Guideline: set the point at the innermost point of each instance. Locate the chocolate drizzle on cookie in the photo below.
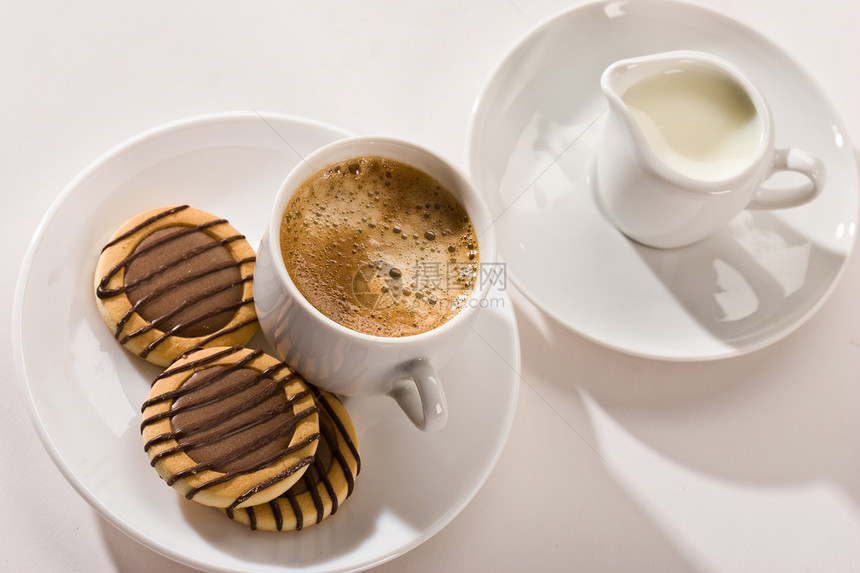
(231, 419)
(331, 458)
(180, 279)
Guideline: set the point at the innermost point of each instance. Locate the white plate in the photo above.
(531, 147)
(85, 392)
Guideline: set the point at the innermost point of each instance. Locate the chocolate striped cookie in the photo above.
(230, 427)
(323, 487)
(176, 278)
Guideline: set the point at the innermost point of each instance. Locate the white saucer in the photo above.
(85, 392)
(531, 147)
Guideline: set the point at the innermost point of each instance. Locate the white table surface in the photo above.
(614, 463)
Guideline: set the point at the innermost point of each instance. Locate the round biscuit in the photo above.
(230, 427)
(156, 340)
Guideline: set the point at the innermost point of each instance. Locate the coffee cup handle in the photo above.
(797, 161)
(419, 393)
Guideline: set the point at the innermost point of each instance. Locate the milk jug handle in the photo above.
(797, 161)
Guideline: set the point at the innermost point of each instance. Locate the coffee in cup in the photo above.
(426, 259)
(380, 247)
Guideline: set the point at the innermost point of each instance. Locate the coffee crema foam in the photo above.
(380, 247)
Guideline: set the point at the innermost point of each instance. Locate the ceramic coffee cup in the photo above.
(345, 361)
(688, 144)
